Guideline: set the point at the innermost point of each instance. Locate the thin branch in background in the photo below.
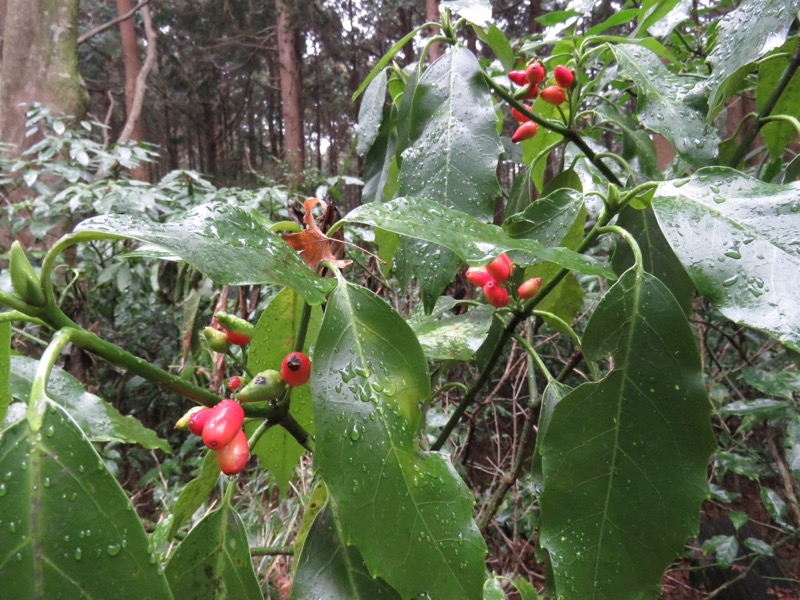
(107, 120)
(101, 28)
(141, 79)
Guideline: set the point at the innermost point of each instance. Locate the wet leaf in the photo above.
(98, 419)
(778, 134)
(370, 113)
(624, 459)
(68, 529)
(369, 376)
(739, 240)
(445, 335)
(474, 11)
(662, 105)
(743, 35)
(5, 368)
(328, 568)
(214, 561)
(475, 242)
(229, 245)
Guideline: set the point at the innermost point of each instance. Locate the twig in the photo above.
(101, 28)
(107, 120)
(786, 479)
(141, 78)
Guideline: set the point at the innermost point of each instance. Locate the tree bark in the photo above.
(132, 66)
(289, 61)
(432, 15)
(39, 64)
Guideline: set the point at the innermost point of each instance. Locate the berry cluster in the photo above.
(492, 276)
(221, 429)
(221, 425)
(529, 79)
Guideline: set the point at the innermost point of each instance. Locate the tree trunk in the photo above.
(132, 66)
(432, 15)
(39, 63)
(293, 144)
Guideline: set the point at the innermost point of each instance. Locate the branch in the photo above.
(101, 28)
(141, 78)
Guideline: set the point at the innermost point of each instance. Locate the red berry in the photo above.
(478, 275)
(554, 95)
(507, 259)
(499, 268)
(533, 91)
(564, 76)
(518, 77)
(524, 132)
(296, 368)
(224, 424)
(198, 420)
(234, 382)
(519, 116)
(529, 288)
(232, 457)
(238, 339)
(495, 294)
(535, 73)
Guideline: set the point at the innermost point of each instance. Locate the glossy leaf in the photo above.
(98, 419)
(739, 240)
(743, 35)
(660, 17)
(68, 530)
(637, 144)
(370, 113)
(659, 259)
(229, 245)
(624, 459)
(499, 44)
(453, 145)
(369, 376)
(535, 150)
(662, 105)
(548, 219)
(214, 561)
(195, 492)
(328, 568)
(277, 450)
(445, 335)
(475, 242)
(378, 160)
(450, 156)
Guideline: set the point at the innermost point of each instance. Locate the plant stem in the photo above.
(302, 328)
(769, 105)
(290, 424)
(566, 132)
(38, 398)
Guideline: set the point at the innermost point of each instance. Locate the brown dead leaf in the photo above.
(313, 245)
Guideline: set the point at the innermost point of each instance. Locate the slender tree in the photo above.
(132, 66)
(289, 60)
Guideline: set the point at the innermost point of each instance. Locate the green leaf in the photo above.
(535, 150)
(370, 113)
(379, 159)
(624, 459)
(214, 561)
(195, 493)
(743, 35)
(229, 245)
(5, 368)
(100, 421)
(778, 134)
(738, 239)
(450, 156)
(453, 146)
(274, 337)
(759, 546)
(660, 17)
(548, 219)
(499, 44)
(725, 547)
(493, 589)
(659, 259)
(474, 11)
(406, 511)
(433, 266)
(445, 335)
(475, 242)
(330, 569)
(68, 529)
(783, 384)
(776, 507)
(661, 107)
(637, 145)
